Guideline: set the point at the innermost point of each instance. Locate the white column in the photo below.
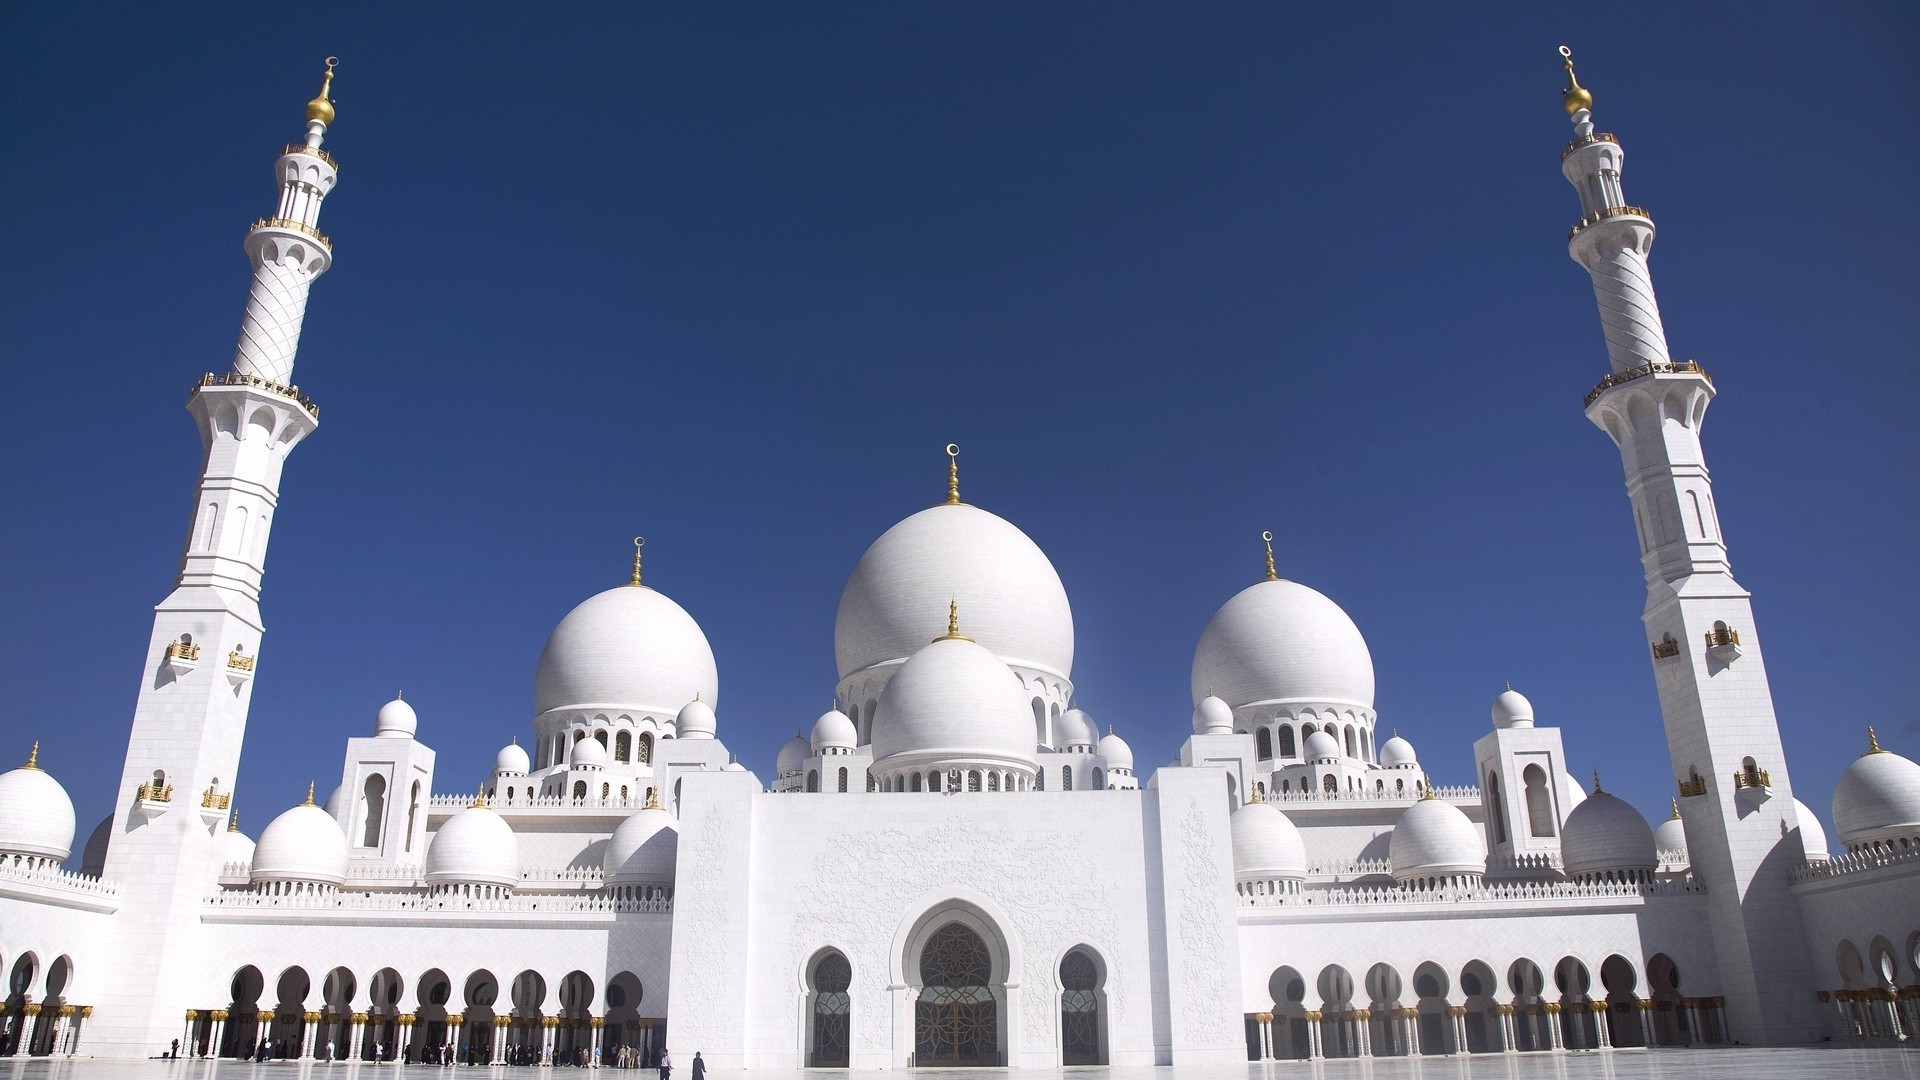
(1600, 1025)
(219, 1029)
(1315, 1040)
(1363, 1023)
(497, 1054)
(1556, 1035)
(1510, 1042)
(1458, 1015)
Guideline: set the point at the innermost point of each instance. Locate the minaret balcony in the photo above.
(1666, 648)
(235, 378)
(1693, 785)
(239, 667)
(1580, 141)
(1652, 367)
(1751, 777)
(152, 799)
(181, 657)
(1604, 213)
(1723, 644)
(303, 148)
(312, 233)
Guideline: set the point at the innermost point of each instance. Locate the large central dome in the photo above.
(1279, 641)
(626, 648)
(896, 601)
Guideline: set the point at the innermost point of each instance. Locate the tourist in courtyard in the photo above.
(666, 1064)
(699, 1067)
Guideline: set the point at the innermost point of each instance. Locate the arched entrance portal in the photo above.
(832, 1011)
(957, 1016)
(1082, 1035)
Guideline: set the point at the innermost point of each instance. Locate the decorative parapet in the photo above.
(1856, 862)
(1752, 778)
(1584, 140)
(1654, 367)
(635, 800)
(1492, 892)
(1546, 862)
(239, 661)
(1458, 793)
(235, 378)
(300, 227)
(215, 800)
(571, 903)
(314, 151)
(1603, 214)
(1350, 868)
(180, 650)
(151, 792)
(1666, 648)
(1692, 786)
(40, 879)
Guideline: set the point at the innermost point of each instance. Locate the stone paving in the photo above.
(1718, 1064)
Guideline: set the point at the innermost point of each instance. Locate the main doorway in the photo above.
(957, 1017)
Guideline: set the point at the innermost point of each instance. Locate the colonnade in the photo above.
(1398, 1032)
(207, 1031)
(1876, 1014)
(41, 1030)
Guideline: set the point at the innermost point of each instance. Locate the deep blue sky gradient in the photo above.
(730, 275)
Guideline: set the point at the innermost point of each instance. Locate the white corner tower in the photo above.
(1724, 741)
(197, 681)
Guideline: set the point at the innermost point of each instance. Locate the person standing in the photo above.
(666, 1064)
(699, 1067)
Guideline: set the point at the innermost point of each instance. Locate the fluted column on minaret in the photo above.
(1716, 706)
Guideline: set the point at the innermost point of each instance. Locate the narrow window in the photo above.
(373, 807)
(1539, 801)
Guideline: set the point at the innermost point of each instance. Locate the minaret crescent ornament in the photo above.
(638, 543)
(953, 474)
(1272, 574)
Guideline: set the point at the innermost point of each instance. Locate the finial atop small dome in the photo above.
(321, 107)
(233, 821)
(1256, 795)
(1873, 745)
(1272, 574)
(33, 755)
(638, 543)
(1676, 809)
(1576, 97)
(953, 474)
(309, 801)
(953, 623)
(479, 798)
(653, 799)
(1596, 783)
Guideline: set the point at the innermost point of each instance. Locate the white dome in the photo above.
(695, 721)
(1671, 836)
(235, 847)
(896, 600)
(1115, 749)
(1266, 844)
(834, 730)
(395, 720)
(336, 805)
(588, 753)
(793, 756)
(1397, 753)
(303, 844)
(628, 648)
(512, 758)
(93, 857)
(1212, 716)
(954, 700)
(1571, 793)
(475, 847)
(643, 849)
(733, 766)
(1321, 746)
(1074, 729)
(36, 817)
(1606, 834)
(1877, 798)
(1813, 835)
(1279, 641)
(1512, 710)
(1433, 838)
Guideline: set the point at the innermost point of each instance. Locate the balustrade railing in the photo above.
(303, 148)
(1487, 893)
(51, 876)
(1651, 367)
(1855, 862)
(577, 903)
(1587, 140)
(1603, 214)
(235, 378)
(300, 227)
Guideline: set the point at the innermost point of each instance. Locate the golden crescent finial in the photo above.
(953, 474)
(1272, 574)
(1576, 97)
(638, 543)
(1596, 783)
(321, 107)
(1676, 809)
(233, 821)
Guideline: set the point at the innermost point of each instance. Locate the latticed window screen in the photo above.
(832, 1011)
(956, 1020)
(1079, 1010)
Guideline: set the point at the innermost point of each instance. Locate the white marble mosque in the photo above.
(956, 866)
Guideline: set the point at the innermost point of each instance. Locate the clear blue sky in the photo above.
(730, 275)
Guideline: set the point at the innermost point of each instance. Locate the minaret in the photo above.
(1742, 832)
(197, 680)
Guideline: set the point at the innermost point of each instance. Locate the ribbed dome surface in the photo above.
(834, 730)
(512, 758)
(954, 699)
(1280, 641)
(1115, 749)
(1606, 834)
(475, 847)
(36, 816)
(1266, 843)
(1877, 798)
(628, 648)
(1434, 838)
(303, 844)
(1009, 594)
(643, 850)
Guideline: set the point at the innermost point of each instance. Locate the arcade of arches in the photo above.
(36, 1017)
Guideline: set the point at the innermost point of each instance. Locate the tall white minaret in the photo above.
(1742, 832)
(195, 686)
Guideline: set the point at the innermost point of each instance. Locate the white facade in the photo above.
(955, 865)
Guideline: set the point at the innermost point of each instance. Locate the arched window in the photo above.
(843, 778)
(646, 748)
(602, 736)
(1066, 778)
(813, 779)
(956, 1019)
(1496, 808)
(623, 794)
(914, 783)
(1040, 722)
(579, 791)
(1263, 743)
(1330, 785)
(1040, 779)
(1286, 741)
(373, 806)
(623, 746)
(1099, 780)
(1539, 801)
(1286, 786)
(413, 814)
(832, 1011)
(1353, 746)
(1081, 1040)
(973, 780)
(1306, 730)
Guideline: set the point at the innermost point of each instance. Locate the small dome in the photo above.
(793, 756)
(1074, 730)
(1266, 844)
(1876, 799)
(954, 700)
(336, 806)
(1671, 837)
(834, 730)
(1281, 641)
(235, 847)
(475, 847)
(36, 816)
(396, 720)
(1813, 835)
(93, 857)
(1605, 834)
(1009, 593)
(1512, 710)
(1212, 716)
(512, 758)
(629, 648)
(733, 766)
(1571, 793)
(1397, 753)
(695, 721)
(1115, 749)
(303, 844)
(1432, 839)
(588, 753)
(643, 850)
(1321, 746)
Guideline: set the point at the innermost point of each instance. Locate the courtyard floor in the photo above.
(1719, 1064)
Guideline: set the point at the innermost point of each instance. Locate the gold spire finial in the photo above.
(1676, 809)
(1873, 745)
(953, 474)
(1576, 97)
(309, 801)
(653, 798)
(479, 798)
(638, 543)
(1596, 783)
(1256, 795)
(1272, 574)
(233, 821)
(33, 755)
(1426, 783)
(321, 107)
(953, 623)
